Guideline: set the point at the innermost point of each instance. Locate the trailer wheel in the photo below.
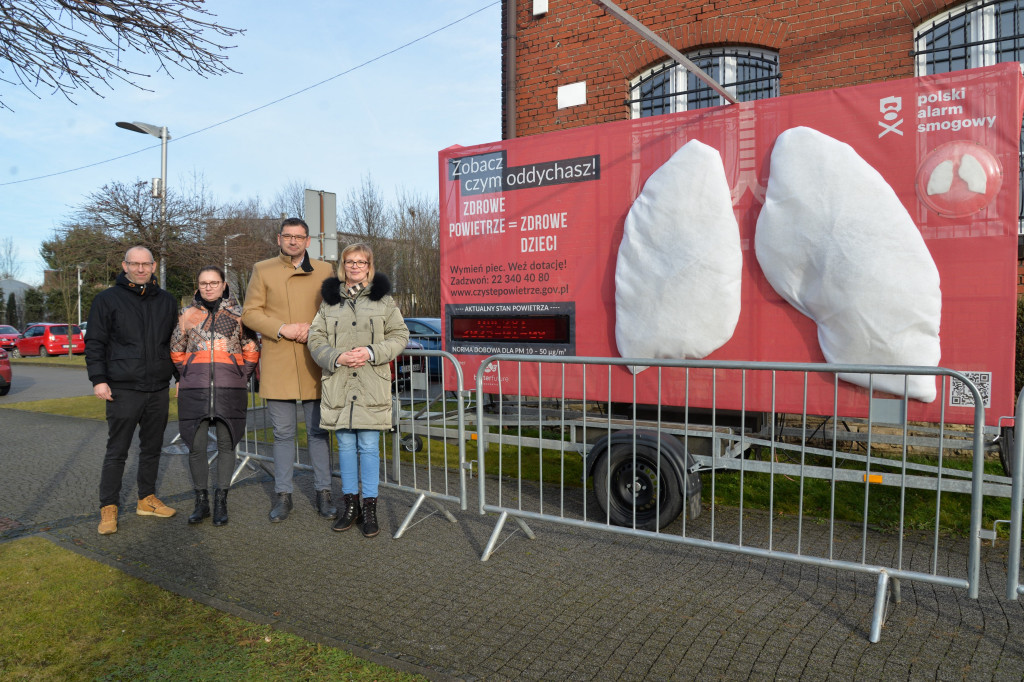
(1006, 449)
(623, 489)
(412, 443)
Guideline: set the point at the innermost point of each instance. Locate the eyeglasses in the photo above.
(140, 264)
(293, 237)
(357, 263)
(210, 285)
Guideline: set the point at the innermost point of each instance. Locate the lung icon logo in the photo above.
(958, 178)
(890, 108)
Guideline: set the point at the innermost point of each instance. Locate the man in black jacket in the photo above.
(128, 357)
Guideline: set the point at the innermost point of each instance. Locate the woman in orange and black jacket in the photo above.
(215, 355)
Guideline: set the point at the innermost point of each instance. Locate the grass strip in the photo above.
(68, 617)
(84, 407)
(52, 361)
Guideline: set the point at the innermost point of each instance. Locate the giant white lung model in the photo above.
(677, 277)
(834, 240)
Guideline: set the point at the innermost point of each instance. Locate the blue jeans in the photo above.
(359, 460)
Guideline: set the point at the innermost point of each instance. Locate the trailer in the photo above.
(874, 225)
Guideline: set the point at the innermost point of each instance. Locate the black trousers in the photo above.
(129, 409)
(198, 462)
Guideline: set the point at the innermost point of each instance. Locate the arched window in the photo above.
(974, 34)
(747, 73)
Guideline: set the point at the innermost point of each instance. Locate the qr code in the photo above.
(961, 396)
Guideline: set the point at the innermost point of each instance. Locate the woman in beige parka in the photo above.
(356, 333)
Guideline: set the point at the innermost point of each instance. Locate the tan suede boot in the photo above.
(150, 506)
(108, 519)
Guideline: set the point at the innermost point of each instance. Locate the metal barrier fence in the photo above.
(424, 454)
(429, 424)
(793, 487)
(748, 483)
(1013, 586)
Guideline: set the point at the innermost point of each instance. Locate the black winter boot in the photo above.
(370, 527)
(324, 506)
(220, 507)
(281, 508)
(350, 512)
(202, 509)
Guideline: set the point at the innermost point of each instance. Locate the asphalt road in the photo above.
(34, 382)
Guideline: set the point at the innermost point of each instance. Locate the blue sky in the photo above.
(387, 119)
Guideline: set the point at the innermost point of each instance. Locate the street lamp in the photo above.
(226, 239)
(160, 191)
(79, 295)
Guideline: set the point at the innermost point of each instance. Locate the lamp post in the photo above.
(79, 267)
(226, 240)
(161, 132)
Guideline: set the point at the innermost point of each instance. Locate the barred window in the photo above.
(978, 33)
(747, 74)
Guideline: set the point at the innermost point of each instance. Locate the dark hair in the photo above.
(212, 268)
(291, 222)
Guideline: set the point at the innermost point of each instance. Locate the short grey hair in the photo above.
(136, 248)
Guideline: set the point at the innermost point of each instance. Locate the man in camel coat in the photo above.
(280, 303)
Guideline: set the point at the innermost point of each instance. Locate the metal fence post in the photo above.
(1016, 496)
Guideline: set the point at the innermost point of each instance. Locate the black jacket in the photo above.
(128, 344)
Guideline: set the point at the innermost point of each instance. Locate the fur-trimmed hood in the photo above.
(331, 290)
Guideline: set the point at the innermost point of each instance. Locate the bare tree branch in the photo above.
(290, 200)
(403, 233)
(129, 216)
(241, 253)
(365, 212)
(416, 254)
(10, 266)
(73, 250)
(67, 45)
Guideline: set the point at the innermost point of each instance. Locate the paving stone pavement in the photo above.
(573, 604)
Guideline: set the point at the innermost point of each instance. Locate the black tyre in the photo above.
(629, 488)
(412, 443)
(43, 352)
(4, 389)
(1006, 442)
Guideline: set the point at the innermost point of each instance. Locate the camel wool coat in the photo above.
(280, 293)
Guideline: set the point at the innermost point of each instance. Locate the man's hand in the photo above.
(102, 391)
(296, 331)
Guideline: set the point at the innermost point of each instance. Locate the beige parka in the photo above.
(357, 398)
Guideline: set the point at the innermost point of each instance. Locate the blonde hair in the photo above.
(358, 247)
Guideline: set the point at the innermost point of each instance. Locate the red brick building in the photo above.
(569, 63)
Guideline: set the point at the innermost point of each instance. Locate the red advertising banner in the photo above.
(868, 225)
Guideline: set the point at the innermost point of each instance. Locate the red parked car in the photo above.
(8, 337)
(5, 373)
(49, 338)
